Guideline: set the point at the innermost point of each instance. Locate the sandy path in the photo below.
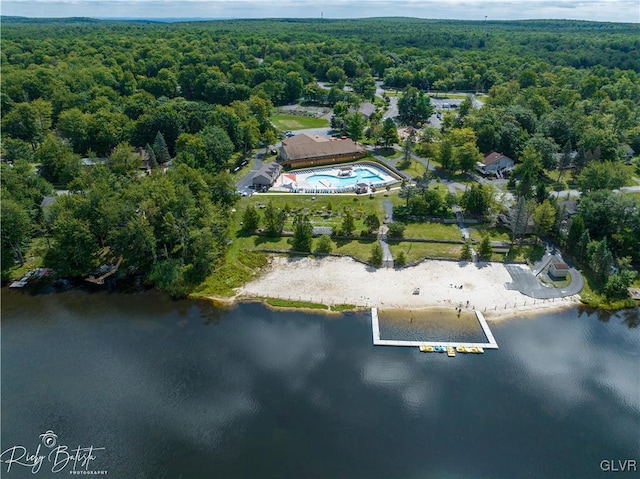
(343, 280)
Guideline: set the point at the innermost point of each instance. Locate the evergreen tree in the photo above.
(376, 255)
(520, 219)
(325, 245)
(583, 245)
(302, 234)
(389, 133)
(250, 219)
(542, 194)
(485, 251)
(574, 235)
(274, 220)
(348, 224)
(400, 259)
(153, 162)
(160, 149)
(600, 258)
(466, 252)
(372, 222)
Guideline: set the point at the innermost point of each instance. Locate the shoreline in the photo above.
(430, 285)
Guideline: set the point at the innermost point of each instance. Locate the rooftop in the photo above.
(307, 146)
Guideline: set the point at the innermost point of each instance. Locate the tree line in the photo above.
(198, 96)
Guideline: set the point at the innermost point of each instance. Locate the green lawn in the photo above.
(295, 122)
(446, 96)
(495, 234)
(288, 303)
(415, 169)
(436, 231)
(415, 251)
(323, 210)
(527, 252)
(358, 248)
(388, 153)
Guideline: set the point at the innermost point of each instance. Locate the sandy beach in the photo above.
(442, 284)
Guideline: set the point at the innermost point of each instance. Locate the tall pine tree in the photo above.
(160, 149)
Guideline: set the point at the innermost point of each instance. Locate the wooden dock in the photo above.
(375, 327)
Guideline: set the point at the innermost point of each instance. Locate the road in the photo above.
(573, 194)
(242, 186)
(525, 281)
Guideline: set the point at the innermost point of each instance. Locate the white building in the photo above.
(495, 164)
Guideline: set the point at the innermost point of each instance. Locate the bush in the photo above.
(401, 259)
(376, 255)
(325, 245)
(466, 252)
(250, 219)
(396, 230)
(485, 251)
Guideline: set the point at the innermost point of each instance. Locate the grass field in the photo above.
(436, 231)
(417, 251)
(295, 122)
(323, 210)
(415, 169)
(495, 234)
(388, 153)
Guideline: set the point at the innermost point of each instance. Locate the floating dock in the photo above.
(375, 327)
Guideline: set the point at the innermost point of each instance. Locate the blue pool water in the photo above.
(361, 175)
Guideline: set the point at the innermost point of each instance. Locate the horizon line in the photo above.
(176, 19)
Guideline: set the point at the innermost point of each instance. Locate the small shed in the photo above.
(558, 270)
(322, 230)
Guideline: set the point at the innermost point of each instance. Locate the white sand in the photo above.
(345, 281)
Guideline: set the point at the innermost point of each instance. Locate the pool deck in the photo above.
(375, 326)
(295, 181)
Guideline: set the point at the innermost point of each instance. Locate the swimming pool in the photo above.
(334, 179)
(358, 175)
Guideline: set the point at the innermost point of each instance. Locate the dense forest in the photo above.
(198, 96)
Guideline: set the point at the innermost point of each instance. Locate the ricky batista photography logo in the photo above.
(50, 455)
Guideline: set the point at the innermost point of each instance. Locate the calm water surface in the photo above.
(182, 389)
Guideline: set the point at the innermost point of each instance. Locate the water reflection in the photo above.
(433, 324)
(630, 316)
(187, 389)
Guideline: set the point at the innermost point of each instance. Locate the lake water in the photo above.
(184, 390)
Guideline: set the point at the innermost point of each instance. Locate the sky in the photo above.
(597, 10)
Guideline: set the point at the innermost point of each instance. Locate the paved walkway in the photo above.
(525, 280)
(388, 211)
(387, 257)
